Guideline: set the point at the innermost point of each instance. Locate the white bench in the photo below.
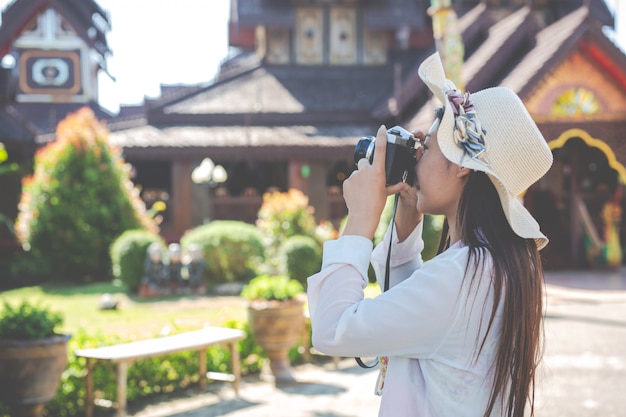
(125, 354)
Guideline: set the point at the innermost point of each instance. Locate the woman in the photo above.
(459, 335)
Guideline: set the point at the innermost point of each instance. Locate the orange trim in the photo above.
(71, 55)
(605, 62)
(594, 143)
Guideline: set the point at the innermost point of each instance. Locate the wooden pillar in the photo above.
(235, 364)
(318, 191)
(310, 178)
(294, 176)
(89, 388)
(122, 370)
(202, 353)
(181, 197)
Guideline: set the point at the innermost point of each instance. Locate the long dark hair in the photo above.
(518, 275)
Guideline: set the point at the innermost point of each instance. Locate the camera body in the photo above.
(400, 160)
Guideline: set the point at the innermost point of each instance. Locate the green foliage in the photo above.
(233, 250)
(302, 257)
(77, 202)
(4, 155)
(128, 255)
(431, 235)
(146, 377)
(284, 215)
(276, 287)
(28, 322)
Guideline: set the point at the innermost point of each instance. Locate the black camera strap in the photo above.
(359, 361)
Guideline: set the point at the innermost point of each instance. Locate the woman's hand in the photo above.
(407, 216)
(365, 193)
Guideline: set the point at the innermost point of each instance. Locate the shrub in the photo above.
(301, 257)
(128, 255)
(28, 322)
(272, 287)
(233, 250)
(283, 215)
(77, 202)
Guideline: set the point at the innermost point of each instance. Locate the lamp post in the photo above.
(209, 175)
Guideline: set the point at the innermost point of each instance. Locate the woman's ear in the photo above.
(463, 172)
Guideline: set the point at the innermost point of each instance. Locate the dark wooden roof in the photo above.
(13, 126)
(507, 41)
(235, 143)
(550, 11)
(551, 44)
(46, 116)
(85, 16)
(279, 95)
(381, 14)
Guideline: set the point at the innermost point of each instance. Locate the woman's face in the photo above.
(438, 181)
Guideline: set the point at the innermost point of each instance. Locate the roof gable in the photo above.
(86, 17)
(571, 53)
(581, 84)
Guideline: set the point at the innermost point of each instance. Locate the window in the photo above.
(576, 102)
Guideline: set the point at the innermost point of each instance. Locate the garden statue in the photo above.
(194, 268)
(174, 268)
(154, 279)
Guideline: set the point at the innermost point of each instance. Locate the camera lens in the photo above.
(364, 149)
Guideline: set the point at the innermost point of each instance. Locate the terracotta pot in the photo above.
(277, 326)
(30, 373)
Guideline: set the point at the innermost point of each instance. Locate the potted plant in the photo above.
(276, 319)
(32, 357)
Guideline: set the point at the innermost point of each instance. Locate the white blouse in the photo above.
(430, 323)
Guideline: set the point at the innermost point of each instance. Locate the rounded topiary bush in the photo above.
(128, 255)
(233, 250)
(302, 257)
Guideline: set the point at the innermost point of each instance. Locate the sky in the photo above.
(161, 42)
(158, 42)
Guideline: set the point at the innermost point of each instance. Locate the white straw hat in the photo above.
(491, 131)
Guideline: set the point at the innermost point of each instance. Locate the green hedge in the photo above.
(233, 250)
(302, 257)
(128, 255)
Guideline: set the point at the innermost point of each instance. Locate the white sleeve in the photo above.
(411, 319)
(405, 256)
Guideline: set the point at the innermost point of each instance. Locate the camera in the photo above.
(400, 160)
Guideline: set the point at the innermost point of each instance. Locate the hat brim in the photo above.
(519, 218)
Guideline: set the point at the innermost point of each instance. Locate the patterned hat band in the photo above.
(469, 134)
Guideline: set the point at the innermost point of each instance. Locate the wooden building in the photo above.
(312, 77)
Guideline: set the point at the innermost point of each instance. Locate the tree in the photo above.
(77, 202)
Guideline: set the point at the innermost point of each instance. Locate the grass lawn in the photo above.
(134, 318)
